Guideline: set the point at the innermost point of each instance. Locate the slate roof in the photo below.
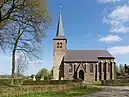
(86, 55)
(60, 31)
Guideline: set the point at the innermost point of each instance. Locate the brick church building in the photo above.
(88, 65)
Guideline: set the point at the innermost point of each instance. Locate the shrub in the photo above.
(7, 82)
(49, 82)
(117, 82)
(17, 91)
(46, 78)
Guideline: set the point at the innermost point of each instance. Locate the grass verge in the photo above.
(68, 93)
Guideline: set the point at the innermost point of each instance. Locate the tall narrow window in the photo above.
(91, 68)
(58, 44)
(61, 45)
(70, 68)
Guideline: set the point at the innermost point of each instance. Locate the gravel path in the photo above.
(111, 92)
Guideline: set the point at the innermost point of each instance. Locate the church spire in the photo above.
(60, 29)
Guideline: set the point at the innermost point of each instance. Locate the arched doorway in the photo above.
(75, 75)
(81, 74)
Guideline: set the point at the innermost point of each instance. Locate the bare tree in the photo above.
(25, 30)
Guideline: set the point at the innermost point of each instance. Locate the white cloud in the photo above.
(119, 50)
(118, 19)
(110, 38)
(108, 1)
(120, 13)
(99, 36)
(119, 29)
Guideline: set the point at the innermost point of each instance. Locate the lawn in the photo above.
(68, 93)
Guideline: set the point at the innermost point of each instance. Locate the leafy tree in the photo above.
(43, 73)
(23, 25)
(10, 9)
(51, 74)
(121, 69)
(32, 76)
(116, 68)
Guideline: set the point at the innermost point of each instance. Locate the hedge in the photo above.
(116, 82)
(49, 82)
(17, 91)
(7, 82)
(122, 77)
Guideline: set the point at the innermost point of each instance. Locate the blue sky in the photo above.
(88, 24)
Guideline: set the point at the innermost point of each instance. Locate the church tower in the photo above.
(59, 49)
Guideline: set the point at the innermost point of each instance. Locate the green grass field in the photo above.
(68, 93)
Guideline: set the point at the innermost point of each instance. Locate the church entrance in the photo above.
(75, 75)
(81, 74)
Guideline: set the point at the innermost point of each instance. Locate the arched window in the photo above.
(70, 68)
(91, 68)
(58, 44)
(61, 45)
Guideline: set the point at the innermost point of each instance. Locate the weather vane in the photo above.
(61, 6)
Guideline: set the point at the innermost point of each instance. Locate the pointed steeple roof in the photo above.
(60, 29)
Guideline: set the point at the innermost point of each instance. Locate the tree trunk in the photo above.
(1, 26)
(13, 67)
(13, 57)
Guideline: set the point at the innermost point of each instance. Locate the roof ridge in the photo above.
(86, 50)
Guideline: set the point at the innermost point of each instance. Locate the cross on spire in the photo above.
(61, 6)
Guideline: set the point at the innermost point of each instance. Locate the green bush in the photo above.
(4, 82)
(18, 91)
(46, 78)
(117, 82)
(49, 82)
(7, 82)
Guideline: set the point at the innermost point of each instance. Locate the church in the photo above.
(88, 65)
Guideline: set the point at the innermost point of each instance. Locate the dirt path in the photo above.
(108, 91)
